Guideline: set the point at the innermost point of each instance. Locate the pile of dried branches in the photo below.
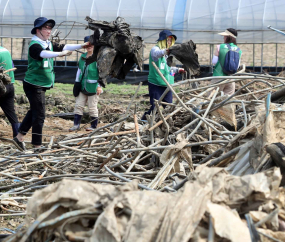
(176, 147)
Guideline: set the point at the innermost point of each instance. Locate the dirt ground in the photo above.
(110, 108)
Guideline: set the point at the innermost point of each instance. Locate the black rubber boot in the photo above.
(94, 124)
(77, 121)
(143, 118)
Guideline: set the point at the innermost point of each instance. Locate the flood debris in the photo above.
(5, 79)
(116, 50)
(207, 167)
(186, 54)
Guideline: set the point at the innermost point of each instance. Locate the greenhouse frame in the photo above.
(199, 20)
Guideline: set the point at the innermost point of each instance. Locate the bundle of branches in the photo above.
(4, 80)
(116, 50)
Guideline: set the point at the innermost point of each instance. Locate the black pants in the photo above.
(7, 105)
(155, 92)
(35, 117)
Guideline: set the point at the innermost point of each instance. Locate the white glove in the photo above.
(64, 53)
(166, 51)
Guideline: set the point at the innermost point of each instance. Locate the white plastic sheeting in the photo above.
(199, 20)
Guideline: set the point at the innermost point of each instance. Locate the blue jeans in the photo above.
(155, 92)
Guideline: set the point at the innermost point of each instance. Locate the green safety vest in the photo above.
(154, 77)
(6, 60)
(218, 70)
(88, 77)
(40, 73)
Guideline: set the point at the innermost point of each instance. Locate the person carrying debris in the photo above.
(40, 77)
(86, 90)
(222, 60)
(158, 55)
(7, 93)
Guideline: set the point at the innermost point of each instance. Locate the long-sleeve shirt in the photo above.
(157, 53)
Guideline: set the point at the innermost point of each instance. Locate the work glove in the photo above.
(181, 71)
(166, 52)
(86, 45)
(76, 89)
(101, 83)
(65, 53)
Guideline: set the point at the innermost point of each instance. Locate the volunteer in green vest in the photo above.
(158, 55)
(230, 36)
(40, 77)
(7, 98)
(89, 90)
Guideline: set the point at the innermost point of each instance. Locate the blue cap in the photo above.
(86, 38)
(39, 22)
(164, 34)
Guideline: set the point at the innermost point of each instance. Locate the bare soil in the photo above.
(110, 108)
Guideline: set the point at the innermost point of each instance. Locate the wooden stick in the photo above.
(13, 69)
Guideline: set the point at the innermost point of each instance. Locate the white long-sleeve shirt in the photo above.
(157, 53)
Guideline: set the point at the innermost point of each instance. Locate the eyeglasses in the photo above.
(47, 28)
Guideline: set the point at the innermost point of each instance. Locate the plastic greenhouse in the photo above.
(199, 20)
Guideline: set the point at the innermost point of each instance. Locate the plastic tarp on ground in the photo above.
(127, 214)
(198, 20)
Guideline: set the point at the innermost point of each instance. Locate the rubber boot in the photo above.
(94, 124)
(15, 128)
(143, 118)
(77, 121)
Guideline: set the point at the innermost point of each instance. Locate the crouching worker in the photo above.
(86, 90)
(158, 55)
(40, 77)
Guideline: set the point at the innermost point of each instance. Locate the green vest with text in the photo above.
(154, 77)
(218, 70)
(6, 62)
(88, 77)
(40, 73)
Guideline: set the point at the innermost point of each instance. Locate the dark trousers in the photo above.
(155, 93)
(35, 117)
(8, 107)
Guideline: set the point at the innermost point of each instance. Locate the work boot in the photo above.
(94, 124)
(20, 145)
(15, 128)
(77, 121)
(143, 118)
